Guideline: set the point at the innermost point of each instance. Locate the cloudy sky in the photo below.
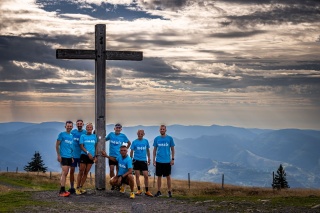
(224, 62)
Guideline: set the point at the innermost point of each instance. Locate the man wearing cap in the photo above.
(116, 140)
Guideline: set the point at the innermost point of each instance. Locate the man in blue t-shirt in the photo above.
(76, 133)
(140, 150)
(124, 171)
(162, 159)
(116, 140)
(64, 149)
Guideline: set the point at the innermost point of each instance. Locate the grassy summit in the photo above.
(17, 191)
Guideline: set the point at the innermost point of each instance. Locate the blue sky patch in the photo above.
(105, 11)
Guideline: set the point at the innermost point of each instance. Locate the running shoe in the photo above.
(139, 192)
(158, 194)
(132, 196)
(83, 191)
(122, 189)
(148, 193)
(169, 194)
(64, 194)
(72, 190)
(78, 192)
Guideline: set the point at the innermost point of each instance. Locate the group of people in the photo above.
(78, 148)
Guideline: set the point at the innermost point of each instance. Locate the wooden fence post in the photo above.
(189, 180)
(222, 181)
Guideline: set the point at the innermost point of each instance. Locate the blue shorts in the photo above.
(76, 162)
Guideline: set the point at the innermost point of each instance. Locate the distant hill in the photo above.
(13, 126)
(244, 156)
(298, 147)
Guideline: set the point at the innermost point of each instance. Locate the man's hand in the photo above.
(172, 162)
(104, 154)
(90, 156)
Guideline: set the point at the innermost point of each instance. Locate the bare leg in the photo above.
(81, 173)
(72, 169)
(137, 173)
(159, 183)
(169, 182)
(111, 171)
(64, 174)
(114, 181)
(85, 174)
(131, 182)
(146, 178)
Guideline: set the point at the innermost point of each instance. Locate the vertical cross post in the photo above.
(100, 103)
(100, 55)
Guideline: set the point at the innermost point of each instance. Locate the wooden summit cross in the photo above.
(100, 55)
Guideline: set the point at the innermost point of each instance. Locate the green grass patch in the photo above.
(30, 181)
(15, 200)
(20, 196)
(275, 201)
(295, 201)
(16, 191)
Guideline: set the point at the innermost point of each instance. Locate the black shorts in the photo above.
(85, 159)
(125, 180)
(111, 162)
(76, 162)
(163, 169)
(66, 161)
(140, 165)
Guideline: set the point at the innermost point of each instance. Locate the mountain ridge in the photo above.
(243, 156)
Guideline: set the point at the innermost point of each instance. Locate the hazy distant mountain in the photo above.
(243, 156)
(24, 140)
(13, 126)
(298, 147)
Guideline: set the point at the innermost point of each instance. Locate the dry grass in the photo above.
(16, 190)
(179, 187)
(4, 188)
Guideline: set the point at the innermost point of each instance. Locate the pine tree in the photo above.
(280, 180)
(36, 164)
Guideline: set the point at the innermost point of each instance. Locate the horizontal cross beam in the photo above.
(91, 54)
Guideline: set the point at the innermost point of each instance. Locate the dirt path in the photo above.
(114, 201)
